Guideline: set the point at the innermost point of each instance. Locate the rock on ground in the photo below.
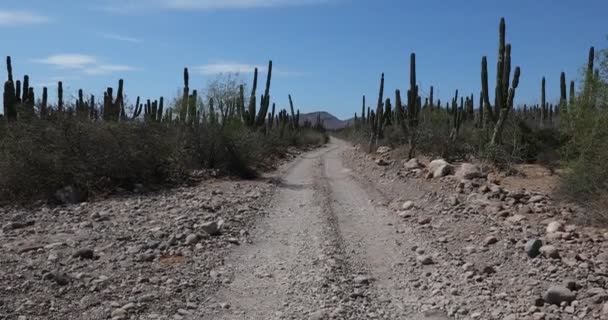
(468, 171)
(440, 168)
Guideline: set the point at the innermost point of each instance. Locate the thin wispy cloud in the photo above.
(240, 68)
(88, 64)
(118, 37)
(68, 61)
(219, 68)
(135, 6)
(104, 69)
(234, 4)
(10, 18)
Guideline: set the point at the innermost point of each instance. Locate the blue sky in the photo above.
(326, 53)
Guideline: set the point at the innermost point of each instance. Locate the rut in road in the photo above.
(325, 250)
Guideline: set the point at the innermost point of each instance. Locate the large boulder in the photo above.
(468, 171)
(440, 168)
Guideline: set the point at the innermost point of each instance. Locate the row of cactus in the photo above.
(488, 116)
(19, 102)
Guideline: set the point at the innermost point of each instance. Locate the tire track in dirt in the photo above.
(326, 250)
(295, 267)
(375, 245)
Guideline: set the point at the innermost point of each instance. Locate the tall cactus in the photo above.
(398, 108)
(377, 117)
(159, 112)
(482, 120)
(543, 105)
(137, 110)
(562, 89)
(588, 86)
(93, 114)
(413, 107)
(112, 108)
(9, 68)
(183, 111)
(252, 100)
(9, 97)
(412, 94)
(81, 109)
(44, 103)
(26, 89)
(265, 103)
(241, 102)
(363, 111)
(387, 121)
(9, 100)
(60, 96)
(294, 125)
(504, 94)
(192, 107)
(388, 113)
(572, 93)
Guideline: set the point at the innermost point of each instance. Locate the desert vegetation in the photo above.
(569, 134)
(69, 150)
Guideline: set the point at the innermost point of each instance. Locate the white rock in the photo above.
(535, 199)
(408, 205)
(440, 168)
(191, 239)
(119, 313)
(555, 226)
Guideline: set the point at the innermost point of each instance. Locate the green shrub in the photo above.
(39, 157)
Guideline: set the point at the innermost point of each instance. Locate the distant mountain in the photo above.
(330, 121)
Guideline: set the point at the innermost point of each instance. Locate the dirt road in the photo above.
(329, 248)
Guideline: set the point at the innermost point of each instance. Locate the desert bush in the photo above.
(40, 156)
(586, 153)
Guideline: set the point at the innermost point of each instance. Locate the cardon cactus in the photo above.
(10, 94)
(44, 102)
(265, 101)
(376, 118)
(60, 96)
(543, 104)
(504, 94)
(112, 108)
(183, 110)
(412, 95)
